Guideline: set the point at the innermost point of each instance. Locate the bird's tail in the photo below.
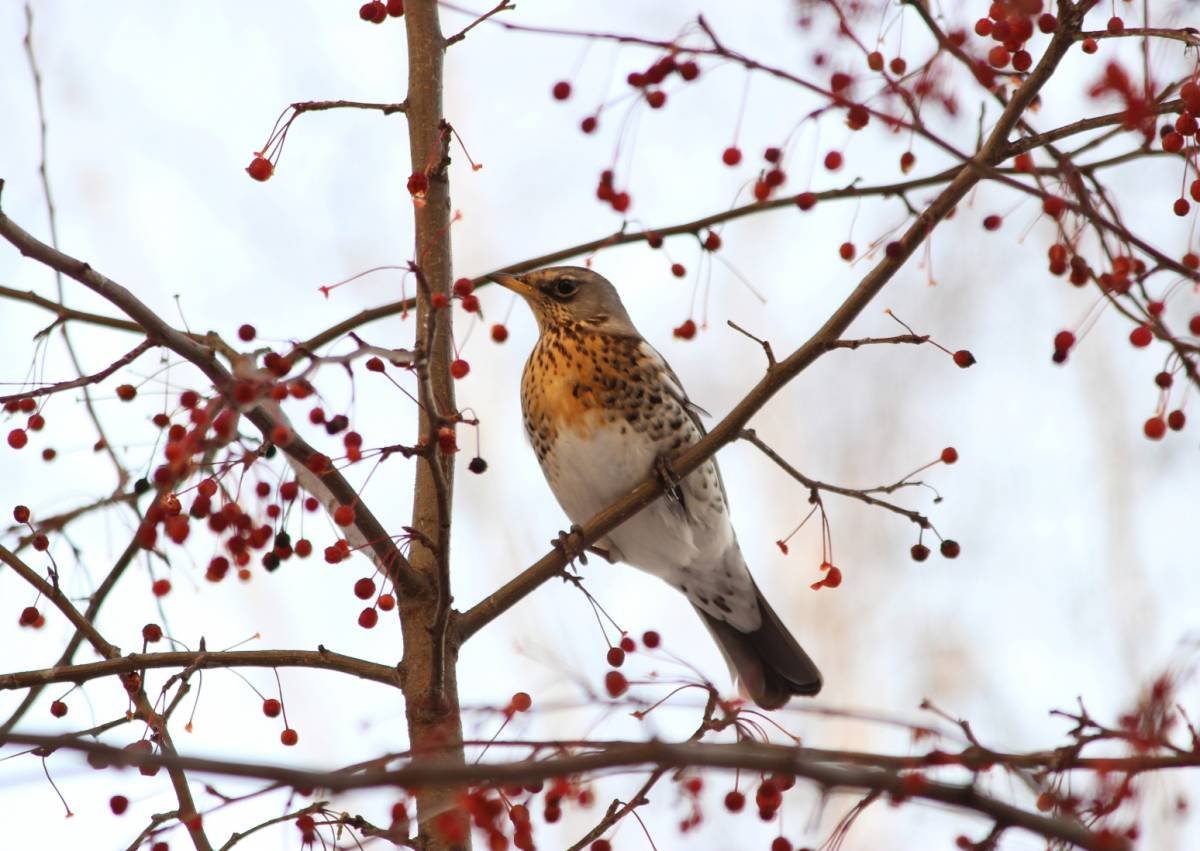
(768, 663)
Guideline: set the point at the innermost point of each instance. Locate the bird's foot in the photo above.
(570, 543)
(668, 477)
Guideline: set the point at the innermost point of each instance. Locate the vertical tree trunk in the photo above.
(431, 696)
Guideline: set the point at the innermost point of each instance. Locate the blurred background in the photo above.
(1077, 577)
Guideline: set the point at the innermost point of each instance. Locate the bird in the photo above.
(604, 411)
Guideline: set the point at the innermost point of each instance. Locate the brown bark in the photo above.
(427, 673)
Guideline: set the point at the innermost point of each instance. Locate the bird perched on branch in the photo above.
(604, 411)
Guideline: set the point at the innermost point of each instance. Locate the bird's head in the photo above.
(570, 295)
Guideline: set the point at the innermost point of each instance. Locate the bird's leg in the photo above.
(603, 553)
(668, 477)
(570, 543)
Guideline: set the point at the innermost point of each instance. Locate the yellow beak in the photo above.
(511, 282)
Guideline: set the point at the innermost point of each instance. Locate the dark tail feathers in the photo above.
(769, 664)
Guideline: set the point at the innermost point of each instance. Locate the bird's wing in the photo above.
(673, 386)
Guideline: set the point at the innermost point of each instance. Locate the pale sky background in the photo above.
(1077, 577)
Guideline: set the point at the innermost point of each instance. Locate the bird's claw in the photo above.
(570, 544)
(668, 477)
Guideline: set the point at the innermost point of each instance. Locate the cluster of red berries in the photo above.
(832, 577)
(606, 191)
(490, 809)
(649, 80)
(768, 798)
(376, 12)
(615, 683)
(1011, 23)
(364, 589)
(30, 616)
(948, 549)
(18, 438)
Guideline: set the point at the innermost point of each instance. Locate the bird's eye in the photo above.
(565, 287)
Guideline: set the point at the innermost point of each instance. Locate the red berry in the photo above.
(847, 251)
(951, 549)
(898, 66)
(781, 843)
(731, 156)
(992, 222)
(459, 368)
(470, 303)
(29, 616)
(152, 633)
(21, 513)
(373, 12)
(712, 241)
(907, 160)
(1141, 336)
(875, 60)
(616, 657)
(246, 333)
(395, 8)
(386, 602)
(1116, 26)
(364, 589)
(1194, 325)
(1047, 23)
(615, 683)
(521, 701)
(689, 71)
(686, 331)
(1176, 420)
(272, 707)
(949, 455)
(806, 200)
(833, 160)
(289, 737)
(588, 125)
(17, 438)
(126, 392)
(343, 515)
(463, 286)
(1054, 206)
(1063, 341)
(418, 184)
(963, 359)
(656, 98)
(1022, 61)
(1181, 207)
(651, 639)
(260, 168)
(1155, 428)
(1090, 46)
(561, 90)
(161, 587)
(678, 270)
(58, 709)
(999, 56)
(118, 804)
(368, 617)
(499, 333)
(735, 801)
(919, 552)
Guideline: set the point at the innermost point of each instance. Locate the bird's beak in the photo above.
(512, 282)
